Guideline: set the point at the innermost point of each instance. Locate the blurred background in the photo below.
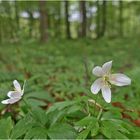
(55, 45)
(43, 20)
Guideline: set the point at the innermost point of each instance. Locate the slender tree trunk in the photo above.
(104, 12)
(0, 29)
(43, 21)
(31, 23)
(67, 19)
(16, 14)
(121, 17)
(98, 19)
(83, 18)
(58, 31)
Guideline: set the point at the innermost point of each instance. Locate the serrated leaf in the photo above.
(111, 115)
(36, 133)
(62, 131)
(83, 134)
(85, 121)
(22, 127)
(39, 115)
(112, 129)
(95, 129)
(56, 115)
(60, 105)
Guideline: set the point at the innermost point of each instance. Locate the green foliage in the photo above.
(62, 131)
(5, 128)
(36, 133)
(22, 127)
(57, 90)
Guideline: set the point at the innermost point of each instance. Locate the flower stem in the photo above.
(87, 105)
(100, 113)
(95, 103)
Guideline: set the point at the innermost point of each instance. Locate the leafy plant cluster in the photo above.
(60, 104)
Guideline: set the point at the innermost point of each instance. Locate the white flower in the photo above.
(16, 95)
(105, 80)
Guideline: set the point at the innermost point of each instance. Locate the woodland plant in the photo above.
(72, 119)
(105, 80)
(16, 95)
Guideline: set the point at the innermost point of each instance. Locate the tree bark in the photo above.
(83, 18)
(43, 21)
(68, 34)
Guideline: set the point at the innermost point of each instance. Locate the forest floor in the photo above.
(66, 66)
(63, 70)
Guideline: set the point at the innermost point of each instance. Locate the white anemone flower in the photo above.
(105, 80)
(16, 95)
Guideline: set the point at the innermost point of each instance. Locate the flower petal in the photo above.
(97, 71)
(23, 87)
(119, 79)
(17, 85)
(14, 94)
(106, 93)
(107, 67)
(10, 101)
(96, 86)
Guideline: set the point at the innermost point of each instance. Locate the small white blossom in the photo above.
(105, 80)
(16, 95)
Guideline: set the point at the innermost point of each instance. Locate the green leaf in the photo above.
(22, 127)
(39, 115)
(73, 109)
(85, 121)
(35, 103)
(111, 115)
(83, 134)
(5, 128)
(55, 116)
(91, 125)
(95, 128)
(113, 129)
(36, 133)
(60, 106)
(62, 131)
(106, 131)
(118, 135)
(40, 95)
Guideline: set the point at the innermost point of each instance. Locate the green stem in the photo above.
(100, 113)
(88, 108)
(95, 103)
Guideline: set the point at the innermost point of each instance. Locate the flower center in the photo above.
(106, 78)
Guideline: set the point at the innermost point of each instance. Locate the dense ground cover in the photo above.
(59, 76)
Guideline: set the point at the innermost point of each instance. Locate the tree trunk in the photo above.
(0, 29)
(121, 17)
(104, 18)
(67, 19)
(16, 14)
(98, 20)
(43, 21)
(31, 23)
(83, 18)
